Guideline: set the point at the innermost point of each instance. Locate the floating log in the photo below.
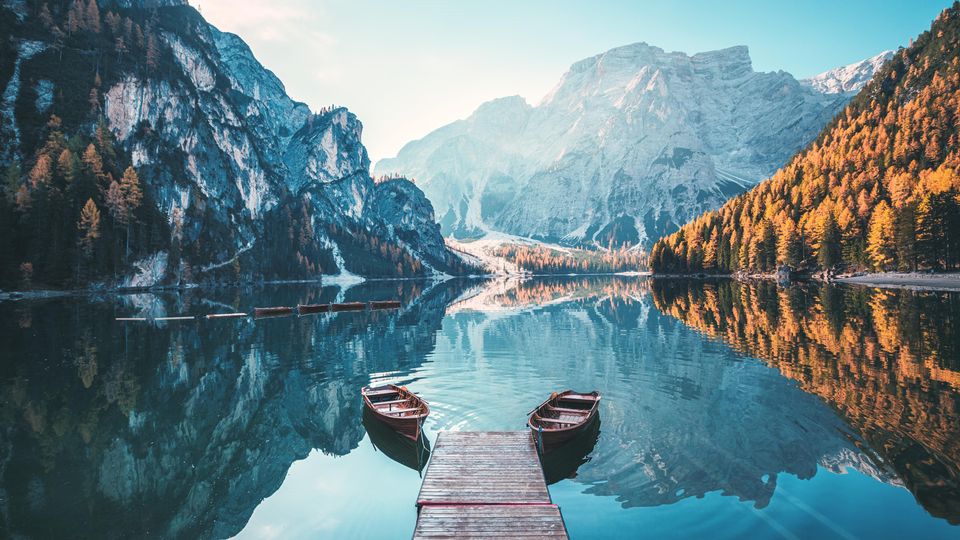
(272, 311)
(225, 315)
(173, 318)
(312, 308)
(385, 304)
(131, 318)
(349, 306)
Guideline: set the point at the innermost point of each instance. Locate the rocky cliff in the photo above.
(245, 182)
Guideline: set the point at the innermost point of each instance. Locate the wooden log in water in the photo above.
(131, 319)
(304, 309)
(348, 306)
(385, 304)
(272, 311)
(225, 315)
(173, 318)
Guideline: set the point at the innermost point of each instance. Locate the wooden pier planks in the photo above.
(490, 521)
(486, 485)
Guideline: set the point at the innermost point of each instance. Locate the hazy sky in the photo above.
(407, 67)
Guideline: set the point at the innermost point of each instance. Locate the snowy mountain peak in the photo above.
(850, 78)
(630, 144)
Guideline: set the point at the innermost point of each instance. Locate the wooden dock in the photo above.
(486, 484)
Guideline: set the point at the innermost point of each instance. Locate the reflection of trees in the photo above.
(181, 430)
(681, 416)
(887, 361)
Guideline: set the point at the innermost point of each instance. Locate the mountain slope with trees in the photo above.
(878, 189)
(142, 146)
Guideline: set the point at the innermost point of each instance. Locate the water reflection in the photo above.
(411, 454)
(563, 462)
(886, 360)
(181, 430)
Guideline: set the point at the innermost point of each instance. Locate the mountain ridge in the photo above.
(877, 189)
(629, 144)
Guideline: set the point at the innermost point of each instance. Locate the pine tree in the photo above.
(881, 236)
(828, 250)
(67, 165)
(42, 172)
(929, 227)
(75, 17)
(906, 239)
(92, 161)
(91, 17)
(46, 19)
(89, 227)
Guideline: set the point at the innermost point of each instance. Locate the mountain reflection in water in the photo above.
(190, 429)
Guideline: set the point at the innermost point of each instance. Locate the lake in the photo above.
(729, 410)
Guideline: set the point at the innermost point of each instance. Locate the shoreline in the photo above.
(942, 281)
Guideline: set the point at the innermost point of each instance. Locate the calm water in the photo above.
(729, 410)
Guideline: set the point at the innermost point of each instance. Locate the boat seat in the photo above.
(552, 421)
(382, 392)
(575, 411)
(391, 402)
(392, 411)
(577, 398)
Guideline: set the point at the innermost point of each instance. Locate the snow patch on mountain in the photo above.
(849, 78)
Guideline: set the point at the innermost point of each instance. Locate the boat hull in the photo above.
(397, 408)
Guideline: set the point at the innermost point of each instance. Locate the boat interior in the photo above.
(566, 410)
(393, 402)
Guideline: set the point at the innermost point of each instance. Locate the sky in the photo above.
(408, 67)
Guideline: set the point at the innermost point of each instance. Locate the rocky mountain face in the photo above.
(850, 78)
(630, 144)
(250, 183)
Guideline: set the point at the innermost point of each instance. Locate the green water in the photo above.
(729, 410)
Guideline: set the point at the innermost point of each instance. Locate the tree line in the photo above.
(547, 260)
(75, 213)
(879, 189)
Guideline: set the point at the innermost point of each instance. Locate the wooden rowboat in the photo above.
(563, 417)
(349, 306)
(312, 308)
(397, 407)
(272, 311)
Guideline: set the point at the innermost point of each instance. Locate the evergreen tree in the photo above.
(89, 227)
(906, 238)
(881, 236)
(828, 250)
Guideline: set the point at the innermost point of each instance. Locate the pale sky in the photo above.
(408, 67)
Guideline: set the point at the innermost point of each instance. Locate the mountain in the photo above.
(879, 188)
(850, 78)
(629, 145)
(220, 175)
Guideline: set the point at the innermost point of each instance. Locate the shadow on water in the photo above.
(563, 461)
(411, 454)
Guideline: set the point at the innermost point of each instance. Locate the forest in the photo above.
(548, 260)
(879, 189)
